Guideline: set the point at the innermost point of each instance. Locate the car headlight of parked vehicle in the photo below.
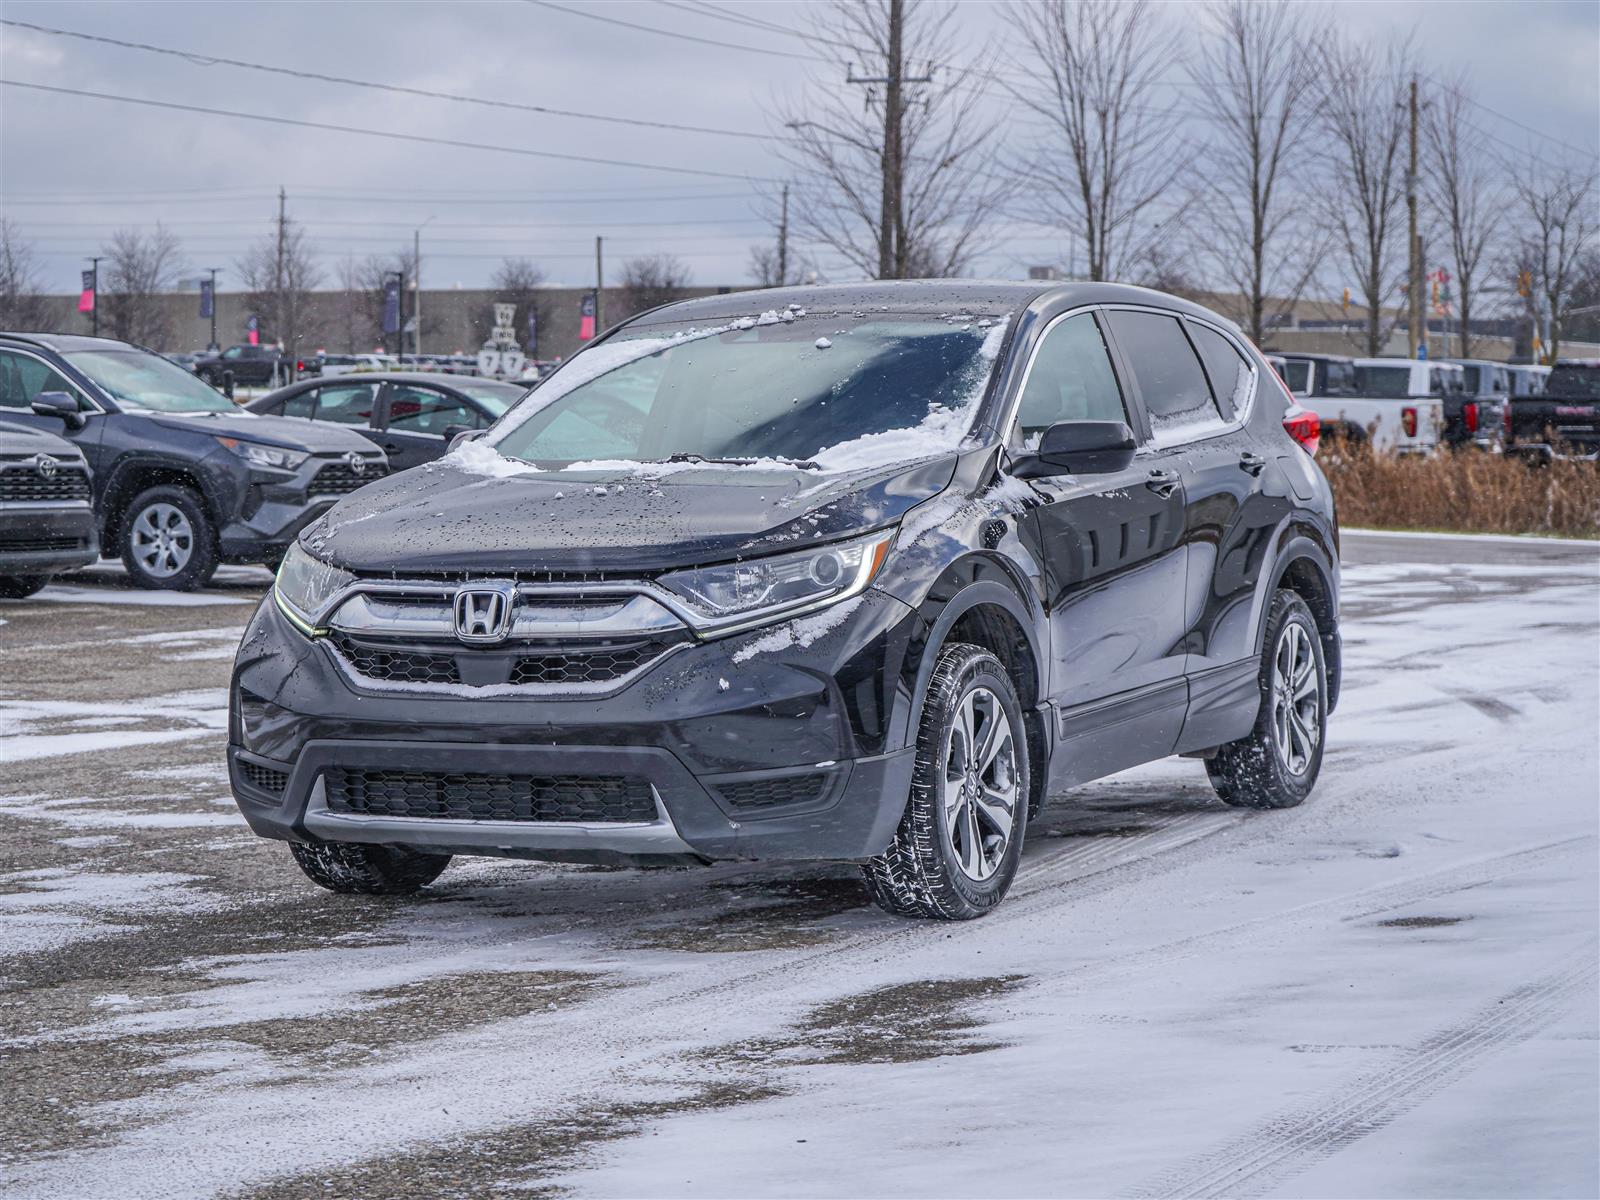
(739, 595)
(257, 454)
(304, 587)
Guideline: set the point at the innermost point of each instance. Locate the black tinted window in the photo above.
(1574, 383)
(1070, 380)
(1225, 367)
(1174, 387)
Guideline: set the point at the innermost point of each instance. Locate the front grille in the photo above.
(25, 545)
(770, 793)
(584, 666)
(397, 664)
(570, 666)
(24, 485)
(338, 479)
(268, 779)
(464, 797)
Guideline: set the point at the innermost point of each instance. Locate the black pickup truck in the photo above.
(249, 365)
(1564, 422)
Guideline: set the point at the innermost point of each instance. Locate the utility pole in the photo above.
(416, 286)
(599, 285)
(892, 250)
(212, 345)
(277, 278)
(1414, 313)
(783, 239)
(94, 313)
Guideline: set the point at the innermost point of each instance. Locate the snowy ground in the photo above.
(1388, 992)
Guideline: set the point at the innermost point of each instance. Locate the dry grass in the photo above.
(1465, 492)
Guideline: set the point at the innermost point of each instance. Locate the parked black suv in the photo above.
(863, 576)
(1562, 422)
(247, 365)
(183, 480)
(46, 523)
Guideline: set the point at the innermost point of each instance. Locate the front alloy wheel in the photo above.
(168, 540)
(959, 841)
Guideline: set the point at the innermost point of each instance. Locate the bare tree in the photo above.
(1466, 200)
(280, 272)
(1255, 68)
(1104, 165)
(351, 320)
(908, 184)
(1581, 321)
(23, 306)
(1558, 204)
(651, 280)
(519, 281)
(1363, 115)
(140, 267)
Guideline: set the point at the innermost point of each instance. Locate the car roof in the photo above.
(64, 342)
(1307, 354)
(1473, 362)
(934, 297)
(436, 378)
(1396, 362)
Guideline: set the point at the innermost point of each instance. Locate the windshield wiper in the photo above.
(736, 462)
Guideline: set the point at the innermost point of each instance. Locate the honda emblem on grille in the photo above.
(45, 465)
(483, 612)
(356, 462)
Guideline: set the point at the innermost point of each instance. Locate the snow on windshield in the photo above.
(902, 389)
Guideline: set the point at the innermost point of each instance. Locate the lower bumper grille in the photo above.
(770, 793)
(266, 778)
(26, 545)
(594, 799)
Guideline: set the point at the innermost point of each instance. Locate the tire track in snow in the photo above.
(1266, 1157)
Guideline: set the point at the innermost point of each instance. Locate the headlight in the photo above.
(259, 455)
(305, 585)
(749, 592)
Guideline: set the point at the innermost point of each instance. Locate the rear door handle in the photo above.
(1162, 483)
(1252, 462)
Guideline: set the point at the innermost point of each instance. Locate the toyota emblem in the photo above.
(45, 465)
(357, 463)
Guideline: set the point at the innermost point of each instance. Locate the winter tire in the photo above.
(356, 867)
(958, 844)
(20, 587)
(1276, 764)
(167, 540)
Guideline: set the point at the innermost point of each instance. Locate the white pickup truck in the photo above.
(1387, 400)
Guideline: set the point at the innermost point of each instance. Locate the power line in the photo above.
(673, 33)
(208, 60)
(377, 199)
(407, 225)
(385, 133)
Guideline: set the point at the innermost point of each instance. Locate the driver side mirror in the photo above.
(63, 405)
(454, 435)
(1077, 448)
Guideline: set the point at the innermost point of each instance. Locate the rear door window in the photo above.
(1230, 375)
(303, 405)
(1070, 379)
(1171, 381)
(424, 410)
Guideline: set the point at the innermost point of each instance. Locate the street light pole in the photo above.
(213, 343)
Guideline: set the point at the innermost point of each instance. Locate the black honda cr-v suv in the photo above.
(826, 573)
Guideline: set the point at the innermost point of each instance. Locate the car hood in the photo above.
(24, 440)
(292, 433)
(441, 517)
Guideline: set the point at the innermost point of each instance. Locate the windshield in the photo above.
(496, 397)
(830, 390)
(1574, 383)
(1297, 374)
(139, 380)
(1383, 381)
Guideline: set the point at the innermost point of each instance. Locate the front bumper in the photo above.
(276, 505)
(45, 539)
(787, 754)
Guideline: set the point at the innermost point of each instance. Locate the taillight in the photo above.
(299, 364)
(1408, 421)
(1305, 427)
(1469, 414)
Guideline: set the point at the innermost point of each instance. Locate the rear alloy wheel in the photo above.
(363, 869)
(167, 540)
(958, 844)
(20, 587)
(1276, 764)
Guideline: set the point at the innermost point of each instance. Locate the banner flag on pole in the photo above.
(391, 304)
(252, 329)
(586, 318)
(533, 334)
(208, 301)
(86, 297)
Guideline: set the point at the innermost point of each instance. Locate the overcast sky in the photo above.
(73, 167)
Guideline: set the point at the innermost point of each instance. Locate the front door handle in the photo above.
(1162, 483)
(1252, 462)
